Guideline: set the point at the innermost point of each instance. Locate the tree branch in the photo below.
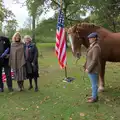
(55, 2)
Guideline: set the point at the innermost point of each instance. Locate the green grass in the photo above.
(57, 100)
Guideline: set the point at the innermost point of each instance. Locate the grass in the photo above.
(57, 100)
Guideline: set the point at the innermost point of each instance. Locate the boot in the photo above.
(30, 82)
(36, 86)
(20, 85)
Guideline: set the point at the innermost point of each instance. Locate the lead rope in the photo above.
(81, 69)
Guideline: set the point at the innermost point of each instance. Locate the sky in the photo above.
(21, 13)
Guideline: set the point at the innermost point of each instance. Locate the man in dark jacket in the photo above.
(4, 58)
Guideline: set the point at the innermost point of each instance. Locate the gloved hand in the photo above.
(7, 56)
(32, 64)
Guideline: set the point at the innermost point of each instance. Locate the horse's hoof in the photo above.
(101, 89)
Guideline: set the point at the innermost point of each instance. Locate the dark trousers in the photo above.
(7, 70)
(1, 82)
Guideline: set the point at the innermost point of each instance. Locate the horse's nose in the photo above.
(78, 55)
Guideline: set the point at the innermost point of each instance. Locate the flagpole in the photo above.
(68, 79)
(61, 3)
(65, 72)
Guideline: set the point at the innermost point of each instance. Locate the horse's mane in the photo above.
(84, 27)
(89, 25)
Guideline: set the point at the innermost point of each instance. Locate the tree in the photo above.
(10, 27)
(105, 13)
(35, 9)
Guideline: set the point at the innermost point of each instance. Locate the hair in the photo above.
(27, 36)
(14, 36)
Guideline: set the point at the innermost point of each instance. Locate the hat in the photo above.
(93, 35)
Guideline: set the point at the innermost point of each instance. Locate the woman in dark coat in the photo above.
(31, 55)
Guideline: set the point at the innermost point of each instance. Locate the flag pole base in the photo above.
(68, 79)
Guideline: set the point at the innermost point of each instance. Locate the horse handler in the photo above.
(92, 65)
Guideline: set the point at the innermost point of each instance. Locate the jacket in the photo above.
(93, 58)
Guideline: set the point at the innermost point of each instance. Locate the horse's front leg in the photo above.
(101, 76)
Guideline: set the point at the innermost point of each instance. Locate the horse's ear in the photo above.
(74, 28)
(66, 29)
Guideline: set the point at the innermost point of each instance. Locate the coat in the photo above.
(93, 58)
(17, 60)
(4, 44)
(31, 60)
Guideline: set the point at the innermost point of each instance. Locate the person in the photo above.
(4, 58)
(17, 60)
(31, 55)
(92, 65)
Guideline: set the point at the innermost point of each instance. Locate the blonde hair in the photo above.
(27, 36)
(14, 36)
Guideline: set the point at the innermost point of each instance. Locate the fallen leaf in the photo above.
(22, 109)
(107, 100)
(41, 102)
(37, 107)
(55, 103)
(82, 114)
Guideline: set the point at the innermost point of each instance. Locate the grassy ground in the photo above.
(57, 100)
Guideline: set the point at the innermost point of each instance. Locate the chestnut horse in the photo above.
(109, 43)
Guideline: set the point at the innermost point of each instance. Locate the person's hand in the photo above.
(32, 64)
(84, 67)
(7, 56)
(86, 70)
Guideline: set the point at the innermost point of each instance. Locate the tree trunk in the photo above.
(114, 26)
(33, 28)
(64, 10)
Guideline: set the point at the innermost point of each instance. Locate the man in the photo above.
(92, 66)
(4, 59)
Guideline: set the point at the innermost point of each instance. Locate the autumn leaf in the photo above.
(41, 102)
(55, 103)
(82, 114)
(37, 107)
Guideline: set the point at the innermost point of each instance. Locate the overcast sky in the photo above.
(21, 12)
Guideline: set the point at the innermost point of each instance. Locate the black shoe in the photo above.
(1, 90)
(10, 89)
(36, 89)
(30, 87)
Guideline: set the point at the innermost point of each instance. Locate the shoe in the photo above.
(10, 89)
(36, 89)
(89, 97)
(92, 100)
(1, 90)
(20, 89)
(30, 87)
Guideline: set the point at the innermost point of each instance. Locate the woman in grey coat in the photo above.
(31, 56)
(17, 59)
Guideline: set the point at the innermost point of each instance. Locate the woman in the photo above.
(17, 59)
(31, 55)
(92, 65)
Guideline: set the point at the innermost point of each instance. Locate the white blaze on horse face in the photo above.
(71, 42)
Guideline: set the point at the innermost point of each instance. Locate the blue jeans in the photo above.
(94, 81)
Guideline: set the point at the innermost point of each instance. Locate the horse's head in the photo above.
(76, 38)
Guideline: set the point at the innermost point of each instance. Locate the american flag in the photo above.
(60, 47)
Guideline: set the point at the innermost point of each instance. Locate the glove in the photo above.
(32, 64)
(7, 56)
